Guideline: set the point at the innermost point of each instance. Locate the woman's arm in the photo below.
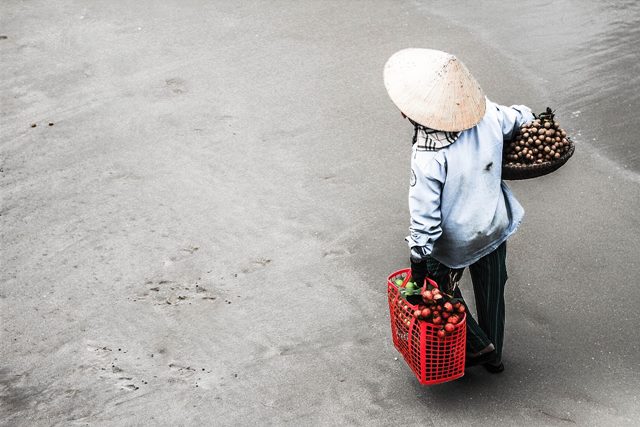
(427, 178)
(511, 118)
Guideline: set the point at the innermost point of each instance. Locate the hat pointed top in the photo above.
(435, 89)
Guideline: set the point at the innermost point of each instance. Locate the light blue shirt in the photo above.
(460, 208)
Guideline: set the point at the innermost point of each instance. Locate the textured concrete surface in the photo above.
(203, 234)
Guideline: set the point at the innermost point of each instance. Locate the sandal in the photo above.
(493, 368)
(486, 358)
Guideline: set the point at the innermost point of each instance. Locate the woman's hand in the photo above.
(419, 272)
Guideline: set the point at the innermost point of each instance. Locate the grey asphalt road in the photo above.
(198, 229)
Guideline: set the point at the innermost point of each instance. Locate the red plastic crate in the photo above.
(433, 360)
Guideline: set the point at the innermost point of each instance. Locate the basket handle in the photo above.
(455, 274)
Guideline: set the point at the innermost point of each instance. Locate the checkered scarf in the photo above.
(430, 139)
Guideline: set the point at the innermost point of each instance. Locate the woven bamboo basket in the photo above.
(513, 172)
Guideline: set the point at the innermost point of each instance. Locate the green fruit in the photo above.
(398, 282)
(410, 286)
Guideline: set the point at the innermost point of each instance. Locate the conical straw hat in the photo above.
(435, 89)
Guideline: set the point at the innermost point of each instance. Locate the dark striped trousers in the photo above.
(489, 275)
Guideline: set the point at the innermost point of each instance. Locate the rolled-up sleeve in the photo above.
(511, 118)
(424, 203)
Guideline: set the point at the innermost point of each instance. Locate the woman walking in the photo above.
(462, 213)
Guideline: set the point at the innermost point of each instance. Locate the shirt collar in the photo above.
(428, 139)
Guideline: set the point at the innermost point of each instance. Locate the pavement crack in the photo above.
(556, 417)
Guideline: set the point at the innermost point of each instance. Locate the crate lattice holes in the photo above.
(432, 359)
